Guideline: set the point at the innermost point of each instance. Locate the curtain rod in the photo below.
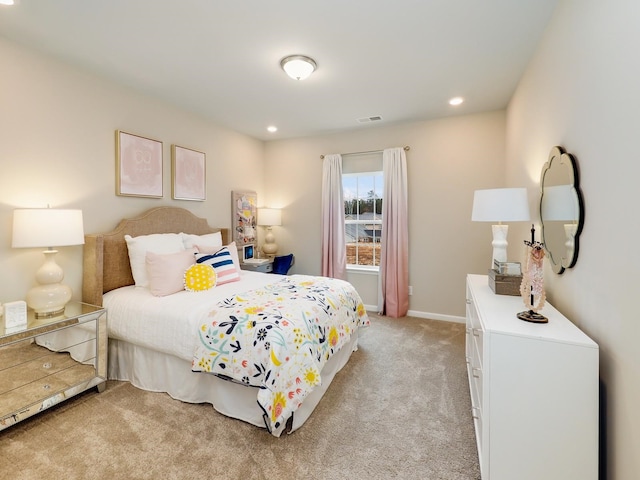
(406, 149)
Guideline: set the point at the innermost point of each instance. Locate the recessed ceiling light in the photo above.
(272, 129)
(298, 67)
(6, 2)
(455, 101)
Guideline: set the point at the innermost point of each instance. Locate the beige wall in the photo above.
(448, 160)
(57, 147)
(581, 92)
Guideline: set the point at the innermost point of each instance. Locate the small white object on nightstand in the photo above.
(15, 315)
(258, 266)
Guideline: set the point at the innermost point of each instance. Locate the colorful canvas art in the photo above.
(244, 206)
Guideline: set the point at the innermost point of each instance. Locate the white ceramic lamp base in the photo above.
(499, 243)
(269, 247)
(50, 297)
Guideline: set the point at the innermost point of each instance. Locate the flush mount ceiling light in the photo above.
(298, 67)
(455, 101)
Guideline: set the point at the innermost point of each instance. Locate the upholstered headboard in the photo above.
(106, 258)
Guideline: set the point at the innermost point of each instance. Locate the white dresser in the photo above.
(534, 390)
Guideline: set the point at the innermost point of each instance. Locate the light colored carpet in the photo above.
(399, 409)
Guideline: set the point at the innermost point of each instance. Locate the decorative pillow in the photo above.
(208, 240)
(232, 249)
(222, 262)
(156, 243)
(199, 277)
(166, 272)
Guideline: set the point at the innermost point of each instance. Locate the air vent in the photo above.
(375, 118)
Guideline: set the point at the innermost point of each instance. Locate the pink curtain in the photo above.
(394, 255)
(334, 249)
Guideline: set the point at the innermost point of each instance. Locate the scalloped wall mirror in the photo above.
(561, 209)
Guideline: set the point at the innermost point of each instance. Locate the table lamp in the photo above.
(48, 227)
(269, 217)
(500, 205)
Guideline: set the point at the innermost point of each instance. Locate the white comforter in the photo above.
(169, 324)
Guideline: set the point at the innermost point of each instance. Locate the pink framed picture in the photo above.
(189, 174)
(138, 166)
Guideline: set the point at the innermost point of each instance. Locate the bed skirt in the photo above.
(158, 372)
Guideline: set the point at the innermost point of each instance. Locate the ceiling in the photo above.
(401, 60)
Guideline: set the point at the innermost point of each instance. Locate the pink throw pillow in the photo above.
(166, 272)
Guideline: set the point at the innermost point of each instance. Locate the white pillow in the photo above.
(207, 240)
(138, 247)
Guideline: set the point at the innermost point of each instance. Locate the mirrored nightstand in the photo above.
(50, 360)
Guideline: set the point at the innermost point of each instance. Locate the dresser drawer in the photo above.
(476, 413)
(477, 345)
(476, 380)
(474, 327)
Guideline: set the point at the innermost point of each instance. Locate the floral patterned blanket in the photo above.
(278, 338)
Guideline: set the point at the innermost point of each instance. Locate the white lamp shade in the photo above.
(47, 227)
(500, 205)
(298, 67)
(269, 217)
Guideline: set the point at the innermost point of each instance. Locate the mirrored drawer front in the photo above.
(33, 370)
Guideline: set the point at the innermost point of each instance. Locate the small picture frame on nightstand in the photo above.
(248, 252)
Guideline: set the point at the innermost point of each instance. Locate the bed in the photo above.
(295, 332)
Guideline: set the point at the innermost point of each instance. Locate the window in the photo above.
(363, 194)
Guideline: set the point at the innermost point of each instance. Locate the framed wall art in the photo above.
(138, 166)
(189, 174)
(244, 211)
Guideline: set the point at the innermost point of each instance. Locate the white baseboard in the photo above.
(432, 316)
(437, 316)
